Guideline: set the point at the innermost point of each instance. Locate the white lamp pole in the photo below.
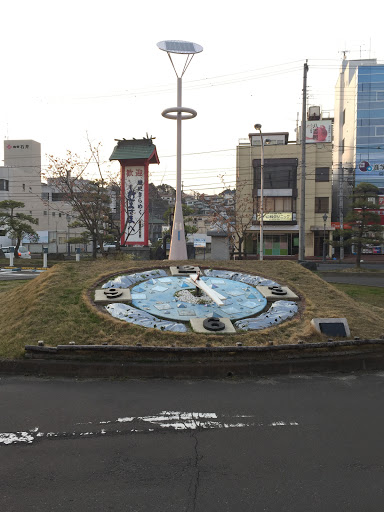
(261, 252)
(178, 248)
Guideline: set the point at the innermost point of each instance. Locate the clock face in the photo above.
(173, 303)
(177, 298)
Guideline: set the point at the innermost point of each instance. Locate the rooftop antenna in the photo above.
(344, 52)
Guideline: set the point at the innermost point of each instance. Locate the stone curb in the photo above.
(197, 362)
(43, 350)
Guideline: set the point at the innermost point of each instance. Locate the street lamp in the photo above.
(178, 249)
(325, 217)
(261, 252)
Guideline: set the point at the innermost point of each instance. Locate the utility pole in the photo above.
(302, 188)
(341, 208)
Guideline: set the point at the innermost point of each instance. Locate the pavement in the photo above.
(8, 274)
(338, 273)
(288, 443)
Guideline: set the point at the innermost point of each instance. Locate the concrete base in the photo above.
(318, 322)
(138, 252)
(197, 326)
(104, 295)
(175, 271)
(271, 297)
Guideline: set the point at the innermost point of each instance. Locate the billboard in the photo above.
(134, 191)
(318, 131)
(370, 170)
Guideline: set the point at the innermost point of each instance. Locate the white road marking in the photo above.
(171, 420)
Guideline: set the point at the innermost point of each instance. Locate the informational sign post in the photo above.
(199, 242)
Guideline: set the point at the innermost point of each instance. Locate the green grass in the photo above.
(368, 295)
(57, 307)
(6, 286)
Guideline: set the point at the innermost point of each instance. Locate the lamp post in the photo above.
(325, 217)
(261, 251)
(178, 249)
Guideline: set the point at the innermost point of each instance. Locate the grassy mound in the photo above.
(57, 307)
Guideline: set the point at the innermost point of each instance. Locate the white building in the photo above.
(20, 180)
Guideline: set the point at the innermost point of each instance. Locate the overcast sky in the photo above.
(77, 67)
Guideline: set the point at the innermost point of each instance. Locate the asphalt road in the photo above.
(275, 444)
(10, 275)
(363, 279)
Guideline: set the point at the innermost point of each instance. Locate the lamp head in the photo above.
(258, 127)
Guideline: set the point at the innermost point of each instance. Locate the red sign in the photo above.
(336, 225)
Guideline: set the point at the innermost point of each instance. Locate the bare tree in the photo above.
(89, 198)
(235, 218)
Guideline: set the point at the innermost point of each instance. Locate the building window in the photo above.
(58, 196)
(4, 185)
(322, 174)
(342, 146)
(59, 214)
(23, 187)
(344, 116)
(278, 173)
(321, 204)
(53, 214)
(62, 239)
(279, 204)
(45, 212)
(45, 196)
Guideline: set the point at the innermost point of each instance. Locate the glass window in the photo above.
(58, 196)
(366, 131)
(276, 175)
(370, 122)
(4, 185)
(278, 204)
(45, 196)
(322, 174)
(321, 204)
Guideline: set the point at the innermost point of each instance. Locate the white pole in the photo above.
(262, 199)
(178, 248)
(45, 257)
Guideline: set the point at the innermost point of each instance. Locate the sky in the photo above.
(79, 70)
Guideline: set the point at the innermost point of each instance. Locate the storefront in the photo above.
(275, 243)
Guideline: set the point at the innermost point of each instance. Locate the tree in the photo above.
(235, 218)
(16, 224)
(89, 198)
(187, 211)
(365, 229)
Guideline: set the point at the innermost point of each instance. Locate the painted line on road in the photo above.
(170, 420)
